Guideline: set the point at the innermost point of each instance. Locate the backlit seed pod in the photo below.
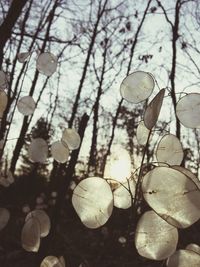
(155, 239)
(184, 258)
(3, 102)
(47, 63)
(123, 195)
(188, 110)
(71, 138)
(193, 247)
(30, 236)
(137, 86)
(169, 150)
(142, 133)
(59, 152)
(22, 57)
(43, 219)
(172, 195)
(49, 261)
(52, 261)
(38, 150)
(188, 173)
(26, 105)
(93, 201)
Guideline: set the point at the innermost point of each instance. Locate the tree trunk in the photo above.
(6, 27)
(93, 148)
(63, 183)
(26, 121)
(89, 53)
(175, 36)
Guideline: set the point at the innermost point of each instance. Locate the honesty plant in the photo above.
(171, 191)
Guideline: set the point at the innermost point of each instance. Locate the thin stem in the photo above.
(137, 189)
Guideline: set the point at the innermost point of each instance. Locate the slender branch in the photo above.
(114, 124)
(86, 64)
(165, 13)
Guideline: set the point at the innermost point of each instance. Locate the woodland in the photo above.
(99, 133)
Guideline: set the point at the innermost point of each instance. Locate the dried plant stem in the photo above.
(138, 183)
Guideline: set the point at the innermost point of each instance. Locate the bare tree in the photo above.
(132, 50)
(100, 12)
(26, 121)
(93, 148)
(175, 37)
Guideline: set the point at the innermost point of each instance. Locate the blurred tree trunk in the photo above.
(6, 27)
(63, 182)
(14, 85)
(12, 94)
(92, 164)
(26, 120)
(101, 10)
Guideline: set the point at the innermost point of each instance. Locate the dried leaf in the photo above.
(153, 110)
